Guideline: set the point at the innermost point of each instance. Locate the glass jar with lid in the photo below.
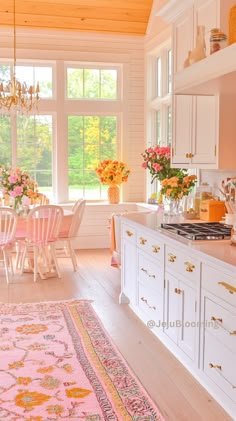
(218, 40)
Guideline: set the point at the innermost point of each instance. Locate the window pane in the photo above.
(32, 75)
(91, 83)
(169, 126)
(5, 73)
(5, 140)
(158, 87)
(90, 140)
(158, 127)
(34, 149)
(169, 72)
(109, 84)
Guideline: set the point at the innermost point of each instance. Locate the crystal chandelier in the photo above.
(14, 94)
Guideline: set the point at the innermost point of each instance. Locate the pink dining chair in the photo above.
(8, 219)
(78, 212)
(43, 226)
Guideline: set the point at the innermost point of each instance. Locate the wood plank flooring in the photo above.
(178, 395)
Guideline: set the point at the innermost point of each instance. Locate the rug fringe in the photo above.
(72, 301)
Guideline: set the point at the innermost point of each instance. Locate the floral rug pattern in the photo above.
(58, 363)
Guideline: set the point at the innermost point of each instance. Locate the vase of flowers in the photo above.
(113, 173)
(16, 186)
(174, 189)
(156, 159)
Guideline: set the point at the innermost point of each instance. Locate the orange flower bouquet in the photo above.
(112, 172)
(178, 186)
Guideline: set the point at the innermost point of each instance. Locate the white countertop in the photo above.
(217, 249)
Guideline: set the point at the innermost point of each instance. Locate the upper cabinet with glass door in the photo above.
(203, 124)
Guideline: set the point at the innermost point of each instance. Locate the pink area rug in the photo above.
(58, 363)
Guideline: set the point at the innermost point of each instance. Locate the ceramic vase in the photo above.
(113, 193)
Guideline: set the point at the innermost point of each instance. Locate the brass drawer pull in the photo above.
(217, 319)
(215, 366)
(142, 241)
(220, 320)
(191, 155)
(129, 233)
(156, 249)
(178, 291)
(146, 302)
(203, 210)
(171, 257)
(187, 155)
(190, 267)
(230, 288)
(145, 271)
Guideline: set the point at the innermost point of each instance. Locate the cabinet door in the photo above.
(129, 271)
(172, 303)
(204, 135)
(207, 14)
(183, 39)
(187, 318)
(182, 128)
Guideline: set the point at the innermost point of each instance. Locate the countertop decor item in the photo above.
(232, 25)
(58, 362)
(157, 161)
(113, 173)
(174, 189)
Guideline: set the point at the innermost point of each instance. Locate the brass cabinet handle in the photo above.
(191, 155)
(220, 320)
(178, 291)
(146, 302)
(215, 366)
(190, 267)
(203, 210)
(145, 271)
(156, 249)
(171, 257)
(187, 155)
(230, 288)
(142, 241)
(129, 233)
(217, 319)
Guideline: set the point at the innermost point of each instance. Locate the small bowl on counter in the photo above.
(190, 214)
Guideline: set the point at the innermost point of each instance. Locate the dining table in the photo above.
(21, 233)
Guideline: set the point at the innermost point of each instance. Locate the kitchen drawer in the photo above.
(219, 284)
(151, 302)
(150, 274)
(185, 265)
(128, 232)
(151, 245)
(219, 365)
(221, 323)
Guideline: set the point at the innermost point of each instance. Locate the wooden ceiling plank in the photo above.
(129, 4)
(106, 26)
(74, 11)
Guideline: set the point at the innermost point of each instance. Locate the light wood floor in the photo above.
(177, 394)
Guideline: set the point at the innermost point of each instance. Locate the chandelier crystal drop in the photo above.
(15, 94)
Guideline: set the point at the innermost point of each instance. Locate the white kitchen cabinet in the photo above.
(218, 350)
(180, 322)
(128, 265)
(180, 291)
(203, 128)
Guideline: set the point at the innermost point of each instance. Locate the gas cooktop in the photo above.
(200, 231)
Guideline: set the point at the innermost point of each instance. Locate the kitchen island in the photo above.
(185, 292)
